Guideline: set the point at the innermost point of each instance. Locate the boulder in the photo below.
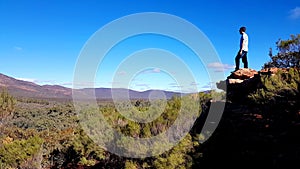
(272, 70)
(237, 78)
(234, 81)
(242, 74)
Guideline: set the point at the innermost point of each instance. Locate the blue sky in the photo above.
(40, 41)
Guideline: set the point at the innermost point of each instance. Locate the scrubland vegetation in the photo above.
(52, 133)
(259, 129)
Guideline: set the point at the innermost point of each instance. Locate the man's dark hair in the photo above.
(243, 29)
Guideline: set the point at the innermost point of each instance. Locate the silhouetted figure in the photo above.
(243, 50)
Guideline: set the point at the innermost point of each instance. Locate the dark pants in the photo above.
(244, 60)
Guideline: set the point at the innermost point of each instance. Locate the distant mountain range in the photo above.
(25, 89)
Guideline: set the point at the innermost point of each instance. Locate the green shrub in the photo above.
(7, 104)
(177, 157)
(15, 153)
(85, 162)
(281, 85)
(130, 165)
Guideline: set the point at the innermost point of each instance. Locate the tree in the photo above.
(288, 53)
(7, 104)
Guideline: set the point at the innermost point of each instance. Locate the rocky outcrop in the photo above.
(260, 124)
(240, 78)
(272, 70)
(244, 81)
(243, 74)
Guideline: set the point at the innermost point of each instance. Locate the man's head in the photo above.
(242, 29)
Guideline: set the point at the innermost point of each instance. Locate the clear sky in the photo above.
(40, 41)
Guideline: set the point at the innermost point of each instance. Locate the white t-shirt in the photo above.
(244, 42)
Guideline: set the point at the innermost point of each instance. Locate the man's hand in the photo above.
(241, 52)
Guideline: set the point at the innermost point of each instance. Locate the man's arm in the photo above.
(241, 47)
(242, 44)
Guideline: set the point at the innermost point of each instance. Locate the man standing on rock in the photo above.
(243, 50)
